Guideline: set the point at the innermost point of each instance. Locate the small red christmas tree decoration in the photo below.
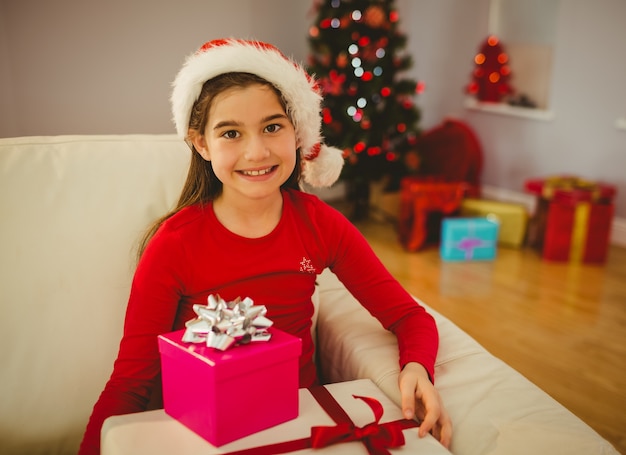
(490, 79)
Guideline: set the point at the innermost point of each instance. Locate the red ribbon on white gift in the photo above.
(377, 437)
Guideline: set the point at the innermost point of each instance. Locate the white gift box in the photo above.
(155, 433)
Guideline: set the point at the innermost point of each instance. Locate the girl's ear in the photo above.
(199, 143)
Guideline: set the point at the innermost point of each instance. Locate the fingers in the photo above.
(445, 433)
(410, 390)
(431, 417)
(419, 395)
(437, 421)
(407, 393)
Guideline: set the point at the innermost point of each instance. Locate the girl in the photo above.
(243, 228)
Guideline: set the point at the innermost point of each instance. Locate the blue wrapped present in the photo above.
(468, 239)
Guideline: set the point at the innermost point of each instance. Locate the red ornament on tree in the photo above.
(490, 78)
(374, 16)
(333, 84)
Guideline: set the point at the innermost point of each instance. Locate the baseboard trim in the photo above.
(618, 229)
(618, 232)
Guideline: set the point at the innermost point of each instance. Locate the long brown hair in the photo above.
(201, 184)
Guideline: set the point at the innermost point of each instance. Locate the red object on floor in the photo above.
(418, 199)
(451, 161)
(573, 218)
(451, 152)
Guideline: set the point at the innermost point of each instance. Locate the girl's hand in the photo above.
(420, 399)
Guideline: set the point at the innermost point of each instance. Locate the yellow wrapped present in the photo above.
(513, 218)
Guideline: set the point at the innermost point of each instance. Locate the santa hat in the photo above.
(322, 164)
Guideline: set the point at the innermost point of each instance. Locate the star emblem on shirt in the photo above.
(306, 265)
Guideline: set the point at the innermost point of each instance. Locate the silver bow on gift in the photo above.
(222, 324)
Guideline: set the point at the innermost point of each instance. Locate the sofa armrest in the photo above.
(494, 409)
(73, 209)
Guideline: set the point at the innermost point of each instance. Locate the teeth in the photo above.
(254, 173)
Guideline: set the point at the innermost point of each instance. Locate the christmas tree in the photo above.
(490, 78)
(368, 110)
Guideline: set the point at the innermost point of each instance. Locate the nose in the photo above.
(256, 149)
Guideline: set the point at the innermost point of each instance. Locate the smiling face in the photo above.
(250, 142)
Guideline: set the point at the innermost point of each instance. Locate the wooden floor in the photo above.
(562, 325)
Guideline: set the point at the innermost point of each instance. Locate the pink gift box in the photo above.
(226, 395)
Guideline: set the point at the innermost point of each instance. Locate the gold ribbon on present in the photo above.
(579, 231)
(570, 184)
(221, 324)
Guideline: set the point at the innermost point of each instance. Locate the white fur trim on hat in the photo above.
(325, 168)
(302, 98)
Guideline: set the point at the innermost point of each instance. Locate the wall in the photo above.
(84, 66)
(77, 66)
(588, 93)
(7, 116)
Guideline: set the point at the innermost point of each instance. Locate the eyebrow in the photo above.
(229, 123)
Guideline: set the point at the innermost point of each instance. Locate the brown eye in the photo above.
(274, 127)
(230, 134)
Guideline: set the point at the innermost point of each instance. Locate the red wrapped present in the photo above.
(573, 218)
(419, 198)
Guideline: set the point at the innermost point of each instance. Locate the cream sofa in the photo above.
(72, 210)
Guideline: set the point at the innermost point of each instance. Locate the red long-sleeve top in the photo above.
(192, 256)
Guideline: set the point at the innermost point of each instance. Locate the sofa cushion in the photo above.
(494, 409)
(73, 209)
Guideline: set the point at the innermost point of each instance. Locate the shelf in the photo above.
(512, 111)
(523, 112)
